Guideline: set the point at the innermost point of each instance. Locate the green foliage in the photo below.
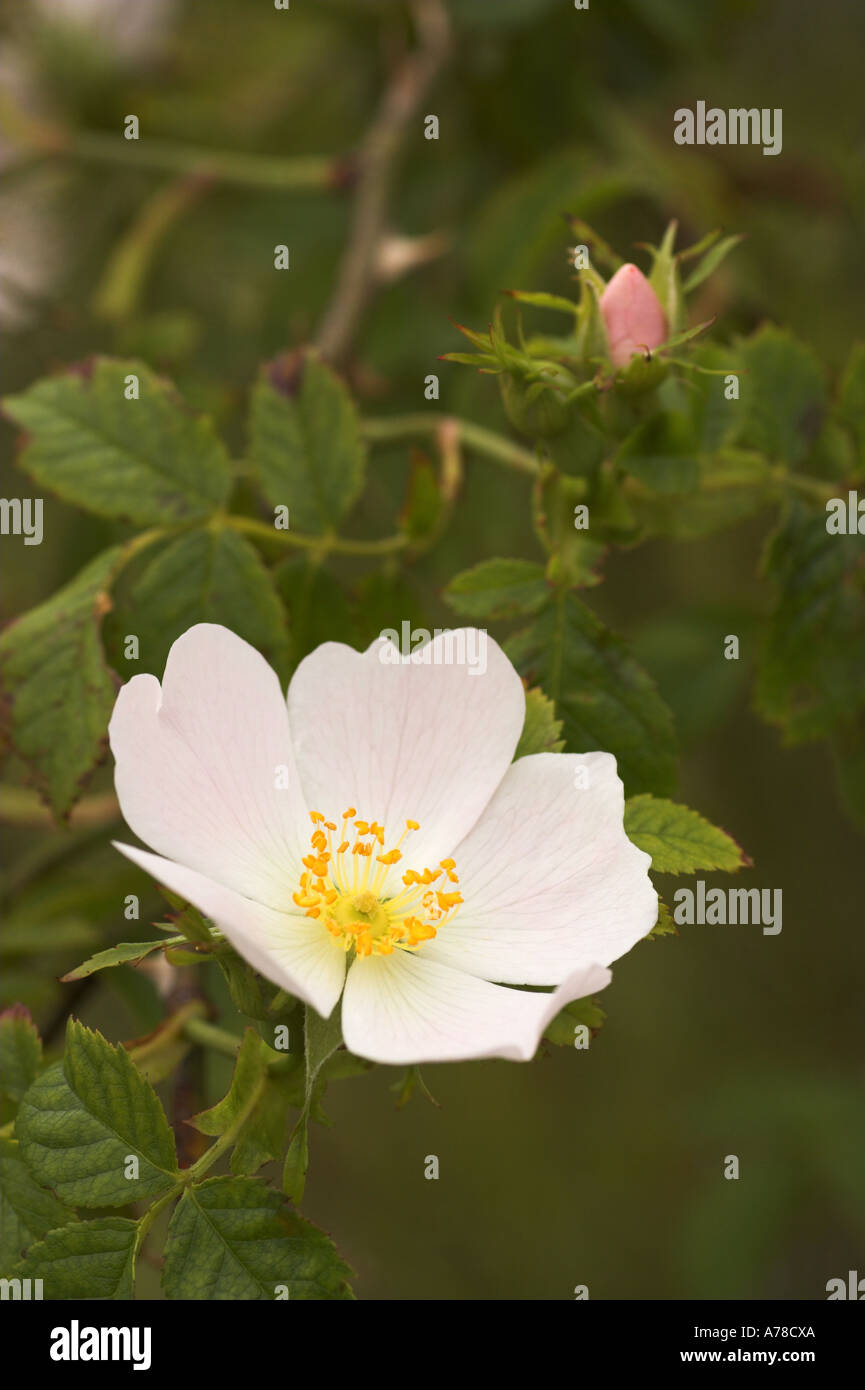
(123, 953)
(602, 696)
(207, 575)
(812, 667)
(579, 448)
(89, 1259)
(27, 1211)
(57, 682)
(235, 1238)
(541, 729)
(85, 1116)
(783, 395)
(678, 839)
(662, 453)
(654, 451)
(317, 603)
(145, 460)
(322, 1037)
(665, 926)
(581, 1013)
(257, 1102)
(498, 589)
(305, 442)
(715, 253)
(20, 1051)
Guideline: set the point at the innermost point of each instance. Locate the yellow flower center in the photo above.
(342, 886)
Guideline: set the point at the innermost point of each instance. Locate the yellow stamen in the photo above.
(366, 916)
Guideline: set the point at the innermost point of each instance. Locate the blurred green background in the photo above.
(604, 1167)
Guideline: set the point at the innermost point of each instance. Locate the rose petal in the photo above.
(402, 1009)
(633, 315)
(197, 764)
(548, 876)
(402, 741)
(293, 951)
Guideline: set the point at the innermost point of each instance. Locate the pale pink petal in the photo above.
(402, 1009)
(633, 315)
(548, 876)
(293, 951)
(201, 762)
(402, 741)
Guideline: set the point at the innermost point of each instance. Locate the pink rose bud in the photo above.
(633, 315)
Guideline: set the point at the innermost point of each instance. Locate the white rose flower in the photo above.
(371, 838)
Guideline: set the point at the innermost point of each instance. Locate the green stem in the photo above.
(136, 544)
(146, 1221)
(323, 545)
(308, 172)
(202, 1165)
(198, 1030)
(476, 437)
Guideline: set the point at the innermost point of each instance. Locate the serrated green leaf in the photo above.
(123, 953)
(305, 442)
(235, 1238)
(679, 840)
(20, 1051)
(783, 395)
(606, 701)
(498, 589)
(61, 692)
(27, 1211)
(259, 1100)
(541, 729)
(581, 1012)
(90, 1259)
(147, 460)
(85, 1116)
(322, 1037)
(209, 575)
(665, 926)
(812, 667)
